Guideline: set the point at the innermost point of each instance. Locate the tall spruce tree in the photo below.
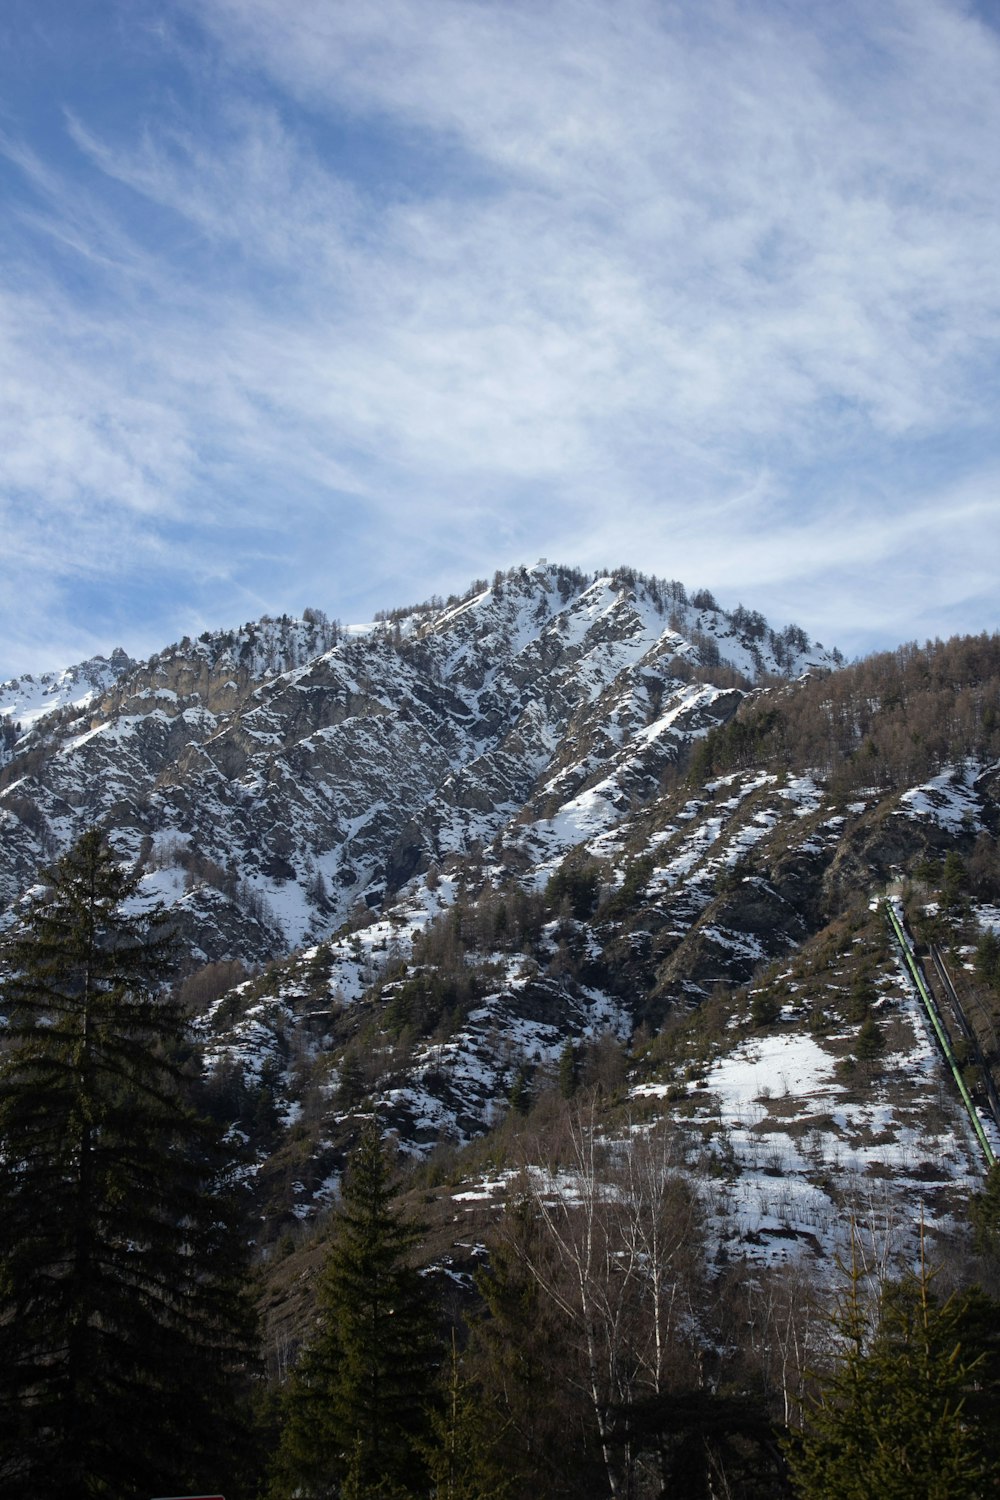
(893, 1420)
(123, 1314)
(464, 1457)
(356, 1409)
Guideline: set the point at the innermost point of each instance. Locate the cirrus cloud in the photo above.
(351, 303)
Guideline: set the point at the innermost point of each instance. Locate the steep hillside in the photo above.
(276, 776)
(564, 833)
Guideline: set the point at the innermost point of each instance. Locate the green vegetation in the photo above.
(765, 1008)
(120, 1261)
(988, 959)
(895, 1417)
(871, 1041)
(575, 884)
(356, 1410)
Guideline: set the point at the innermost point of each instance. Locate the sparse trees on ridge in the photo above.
(886, 721)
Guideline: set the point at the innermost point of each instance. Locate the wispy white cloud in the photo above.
(406, 291)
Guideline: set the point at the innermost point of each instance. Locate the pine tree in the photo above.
(567, 1070)
(984, 1214)
(519, 1097)
(987, 961)
(954, 879)
(356, 1408)
(122, 1310)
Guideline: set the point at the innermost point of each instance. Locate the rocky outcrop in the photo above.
(317, 769)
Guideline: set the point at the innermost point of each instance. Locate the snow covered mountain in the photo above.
(26, 699)
(275, 776)
(565, 826)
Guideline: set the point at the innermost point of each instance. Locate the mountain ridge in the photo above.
(559, 823)
(252, 708)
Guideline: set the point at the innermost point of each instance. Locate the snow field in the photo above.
(795, 1157)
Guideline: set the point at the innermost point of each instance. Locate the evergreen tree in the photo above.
(984, 1213)
(954, 879)
(567, 1070)
(519, 1097)
(987, 959)
(122, 1310)
(891, 1421)
(765, 1008)
(356, 1408)
(464, 1455)
(871, 1041)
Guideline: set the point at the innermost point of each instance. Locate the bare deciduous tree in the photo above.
(619, 1258)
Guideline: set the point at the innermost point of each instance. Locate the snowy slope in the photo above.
(292, 769)
(412, 862)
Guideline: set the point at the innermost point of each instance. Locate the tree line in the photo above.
(887, 721)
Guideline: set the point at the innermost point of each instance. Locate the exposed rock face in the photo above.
(467, 836)
(296, 770)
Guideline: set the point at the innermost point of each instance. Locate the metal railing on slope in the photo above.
(967, 1030)
(909, 958)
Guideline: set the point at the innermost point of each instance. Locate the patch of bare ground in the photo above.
(781, 1107)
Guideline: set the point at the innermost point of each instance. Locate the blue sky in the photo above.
(347, 304)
